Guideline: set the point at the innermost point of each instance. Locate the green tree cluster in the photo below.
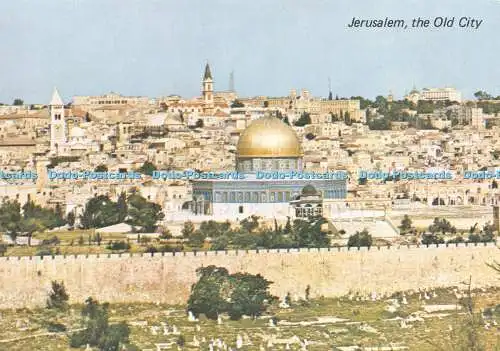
(361, 238)
(33, 218)
(58, 297)
(441, 225)
(363, 103)
(302, 233)
(432, 238)
(304, 119)
(97, 330)
(54, 161)
(237, 104)
(142, 213)
(101, 168)
(148, 167)
(101, 211)
(406, 224)
(218, 292)
(118, 245)
(10, 217)
(483, 95)
(487, 234)
(48, 218)
(379, 124)
(489, 107)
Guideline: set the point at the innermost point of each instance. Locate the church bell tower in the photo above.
(57, 123)
(208, 91)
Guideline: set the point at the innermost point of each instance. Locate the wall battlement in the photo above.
(249, 252)
(168, 277)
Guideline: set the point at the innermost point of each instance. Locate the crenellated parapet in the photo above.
(167, 277)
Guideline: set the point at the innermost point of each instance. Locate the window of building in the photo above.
(240, 209)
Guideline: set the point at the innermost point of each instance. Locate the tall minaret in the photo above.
(57, 122)
(208, 90)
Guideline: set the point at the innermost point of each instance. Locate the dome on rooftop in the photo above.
(268, 137)
(309, 190)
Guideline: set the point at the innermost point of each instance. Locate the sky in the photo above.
(159, 47)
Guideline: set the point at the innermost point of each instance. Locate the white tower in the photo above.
(57, 122)
(208, 91)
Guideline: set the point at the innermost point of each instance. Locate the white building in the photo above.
(435, 94)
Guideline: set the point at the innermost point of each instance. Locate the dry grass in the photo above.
(429, 335)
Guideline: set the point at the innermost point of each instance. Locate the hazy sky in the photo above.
(156, 48)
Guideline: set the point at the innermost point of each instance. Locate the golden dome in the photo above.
(268, 137)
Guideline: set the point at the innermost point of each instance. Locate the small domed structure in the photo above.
(309, 190)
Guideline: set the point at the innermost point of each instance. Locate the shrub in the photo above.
(359, 239)
(114, 335)
(55, 327)
(118, 245)
(98, 332)
(58, 298)
(3, 249)
(78, 339)
(432, 239)
(456, 240)
(52, 241)
(151, 249)
(166, 234)
(181, 340)
(170, 248)
(44, 251)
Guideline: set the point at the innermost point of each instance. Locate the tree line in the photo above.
(249, 235)
(99, 211)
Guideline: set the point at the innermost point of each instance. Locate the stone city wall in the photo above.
(167, 278)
